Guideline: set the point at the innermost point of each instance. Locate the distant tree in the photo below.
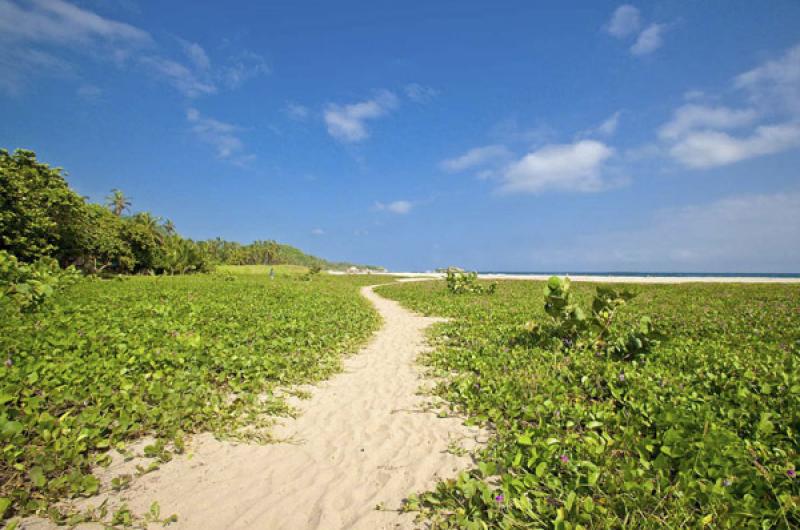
(117, 202)
(169, 228)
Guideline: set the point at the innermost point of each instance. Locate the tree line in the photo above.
(42, 217)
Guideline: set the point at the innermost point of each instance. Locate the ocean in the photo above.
(660, 274)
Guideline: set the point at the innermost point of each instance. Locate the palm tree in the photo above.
(169, 228)
(118, 202)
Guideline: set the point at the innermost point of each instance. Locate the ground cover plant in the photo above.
(699, 428)
(104, 362)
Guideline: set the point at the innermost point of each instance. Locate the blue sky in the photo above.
(580, 136)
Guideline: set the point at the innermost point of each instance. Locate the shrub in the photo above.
(460, 282)
(25, 287)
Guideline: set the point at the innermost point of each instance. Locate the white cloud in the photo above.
(625, 21)
(567, 167)
(55, 21)
(649, 40)
(692, 117)
(196, 54)
(17, 64)
(399, 207)
(223, 137)
(607, 128)
(296, 111)
(697, 135)
(179, 76)
(34, 33)
(707, 149)
(318, 232)
(346, 123)
(242, 67)
(419, 93)
(775, 83)
(746, 233)
(476, 157)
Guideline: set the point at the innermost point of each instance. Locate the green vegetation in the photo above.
(460, 282)
(103, 362)
(610, 428)
(41, 216)
(269, 252)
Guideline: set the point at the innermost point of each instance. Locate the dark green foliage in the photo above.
(108, 361)
(267, 253)
(460, 282)
(703, 431)
(38, 210)
(40, 216)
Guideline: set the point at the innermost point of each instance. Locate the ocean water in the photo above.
(660, 274)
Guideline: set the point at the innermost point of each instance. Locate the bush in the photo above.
(569, 327)
(25, 287)
(460, 282)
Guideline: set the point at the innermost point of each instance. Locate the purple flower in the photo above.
(727, 482)
(791, 473)
(621, 377)
(564, 458)
(9, 363)
(499, 498)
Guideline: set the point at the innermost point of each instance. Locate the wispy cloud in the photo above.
(649, 40)
(706, 149)
(564, 167)
(605, 129)
(223, 137)
(749, 230)
(196, 54)
(198, 77)
(626, 21)
(420, 93)
(347, 123)
(699, 136)
(34, 35)
(692, 117)
(242, 67)
(476, 157)
(49, 31)
(775, 84)
(297, 112)
(398, 207)
(55, 21)
(317, 232)
(18, 64)
(179, 76)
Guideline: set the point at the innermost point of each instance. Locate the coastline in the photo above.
(616, 279)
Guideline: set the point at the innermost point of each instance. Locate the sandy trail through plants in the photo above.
(363, 439)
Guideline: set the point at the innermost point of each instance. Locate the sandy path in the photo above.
(361, 440)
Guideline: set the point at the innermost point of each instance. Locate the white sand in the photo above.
(616, 279)
(364, 438)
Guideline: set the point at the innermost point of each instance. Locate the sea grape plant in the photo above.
(461, 282)
(571, 329)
